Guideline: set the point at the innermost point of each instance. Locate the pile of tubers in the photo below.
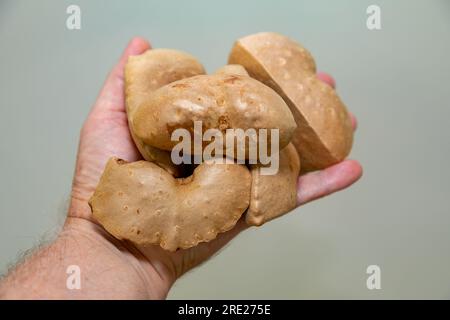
(270, 82)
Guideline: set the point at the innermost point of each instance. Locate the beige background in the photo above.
(395, 80)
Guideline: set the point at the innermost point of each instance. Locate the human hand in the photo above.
(106, 134)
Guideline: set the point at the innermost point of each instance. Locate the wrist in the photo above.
(147, 278)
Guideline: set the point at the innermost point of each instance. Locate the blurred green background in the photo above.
(395, 80)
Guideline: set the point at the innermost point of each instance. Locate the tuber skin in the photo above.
(148, 72)
(144, 204)
(220, 101)
(324, 133)
(265, 204)
(232, 69)
(274, 195)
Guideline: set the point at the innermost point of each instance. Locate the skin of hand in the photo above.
(116, 269)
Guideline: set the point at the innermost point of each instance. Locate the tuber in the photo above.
(324, 133)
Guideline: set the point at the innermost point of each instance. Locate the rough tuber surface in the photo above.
(143, 203)
(324, 133)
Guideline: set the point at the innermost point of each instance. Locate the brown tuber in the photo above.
(324, 132)
(144, 204)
